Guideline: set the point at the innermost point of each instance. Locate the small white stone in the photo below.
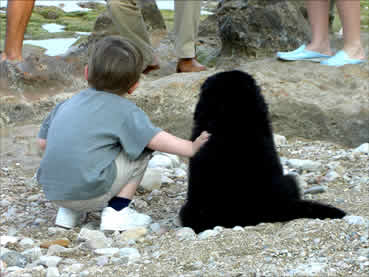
(131, 253)
(308, 165)
(151, 179)
(52, 272)
(160, 161)
(49, 261)
(207, 234)
(179, 172)
(356, 220)
(364, 148)
(107, 251)
(186, 233)
(26, 242)
(279, 140)
(8, 239)
(238, 228)
(331, 176)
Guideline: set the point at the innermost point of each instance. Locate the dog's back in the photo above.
(236, 178)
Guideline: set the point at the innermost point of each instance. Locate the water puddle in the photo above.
(55, 46)
(53, 28)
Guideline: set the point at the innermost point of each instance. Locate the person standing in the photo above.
(127, 16)
(319, 48)
(17, 17)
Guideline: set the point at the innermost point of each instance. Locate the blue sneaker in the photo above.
(340, 59)
(301, 54)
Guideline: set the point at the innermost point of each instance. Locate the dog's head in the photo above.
(229, 98)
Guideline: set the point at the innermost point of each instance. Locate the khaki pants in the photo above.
(127, 17)
(128, 172)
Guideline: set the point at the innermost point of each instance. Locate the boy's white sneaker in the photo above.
(68, 218)
(122, 220)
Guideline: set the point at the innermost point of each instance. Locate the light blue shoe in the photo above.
(301, 54)
(340, 59)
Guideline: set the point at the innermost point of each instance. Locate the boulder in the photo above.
(152, 16)
(305, 100)
(256, 28)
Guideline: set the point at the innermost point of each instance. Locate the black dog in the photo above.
(236, 178)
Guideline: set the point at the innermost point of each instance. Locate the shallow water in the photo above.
(55, 46)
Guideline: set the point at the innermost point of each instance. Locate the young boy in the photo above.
(98, 144)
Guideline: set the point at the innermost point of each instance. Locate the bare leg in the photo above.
(128, 191)
(318, 13)
(349, 11)
(18, 15)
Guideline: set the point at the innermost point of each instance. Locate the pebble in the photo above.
(160, 161)
(331, 176)
(279, 140)
(207, 234)
(356, 220)
(4, 240)
(316, 189)
(185, 233)
(363, 148)
(13, 258)
(307, 165)
(26, 243)
(133, 234)
(151, 179)
(102, 260)
(52, 272)
(107, 251)
(32, 254)
(61, 242)
(131, 253)
(94, 239)
(49, 261)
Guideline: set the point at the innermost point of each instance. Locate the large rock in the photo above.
(153, 19)
(305, 99)
(256, 28)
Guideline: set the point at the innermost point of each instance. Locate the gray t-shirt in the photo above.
(84, 136)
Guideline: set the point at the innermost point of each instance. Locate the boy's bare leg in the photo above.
(128, 191)
(18, 15)
(349, 12)
(318, 13)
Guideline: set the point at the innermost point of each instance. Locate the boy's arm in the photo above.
(165, 142)
(41, 143)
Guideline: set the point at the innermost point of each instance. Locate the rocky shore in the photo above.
(31, 245)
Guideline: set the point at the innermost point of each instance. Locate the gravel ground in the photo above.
(327, 172)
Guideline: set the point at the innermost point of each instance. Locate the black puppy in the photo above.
(236, 178)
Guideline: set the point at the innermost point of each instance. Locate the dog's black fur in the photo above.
(236, 178)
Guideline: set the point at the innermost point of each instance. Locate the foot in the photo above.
(354, 52)
(302, 54)
(189, 65)
(122, 220)
(68, 218)
(341, 58)
(151, 67)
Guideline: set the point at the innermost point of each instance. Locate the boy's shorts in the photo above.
(128, 172)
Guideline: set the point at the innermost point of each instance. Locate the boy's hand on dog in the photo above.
(199, 141)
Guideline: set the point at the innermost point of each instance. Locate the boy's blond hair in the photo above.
(114, 65)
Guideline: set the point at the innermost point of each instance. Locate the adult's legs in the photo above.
(349, 12)
(186, 23)
(128, 19)
(18, 15)
(318, 13)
